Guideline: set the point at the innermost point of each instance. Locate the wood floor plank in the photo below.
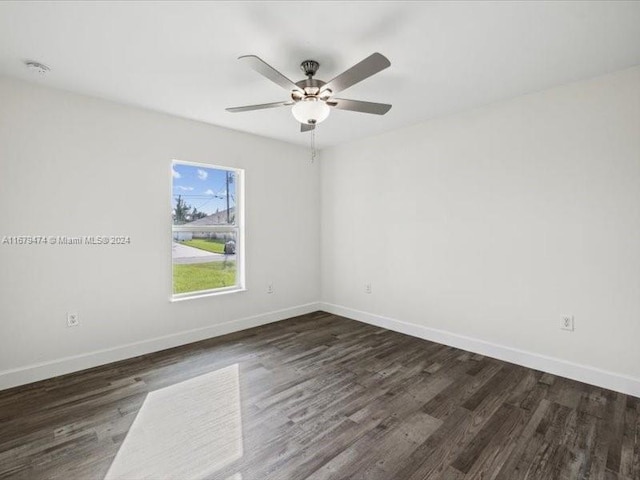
(323, 397)
(507, 470)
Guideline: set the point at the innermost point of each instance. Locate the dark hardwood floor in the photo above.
(323, 397)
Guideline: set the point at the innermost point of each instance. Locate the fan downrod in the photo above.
(309, 67)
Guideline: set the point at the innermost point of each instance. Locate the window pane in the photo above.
(203, 195)
(203, 261)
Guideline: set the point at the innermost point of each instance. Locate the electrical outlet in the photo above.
(73, 320)
(367, 288)
(270, 288)
(567, 323)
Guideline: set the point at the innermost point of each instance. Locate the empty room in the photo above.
(375, 240)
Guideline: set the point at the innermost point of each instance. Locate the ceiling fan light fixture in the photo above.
(310, 111)
(325, 94)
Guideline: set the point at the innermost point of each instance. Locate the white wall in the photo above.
(493, 223)
(478, 230)
(73, 165)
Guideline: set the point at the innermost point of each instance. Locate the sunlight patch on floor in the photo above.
(189, 430)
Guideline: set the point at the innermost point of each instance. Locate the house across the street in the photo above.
(218, 218)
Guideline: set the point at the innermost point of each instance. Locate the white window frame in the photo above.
(237, 228)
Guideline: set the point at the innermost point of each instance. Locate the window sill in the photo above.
(187, 296)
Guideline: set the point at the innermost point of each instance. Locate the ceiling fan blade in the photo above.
(359, 106)
(369, 66)
(305, 127)
(262, 67)
(262, 106)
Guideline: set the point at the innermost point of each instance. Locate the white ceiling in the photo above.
(180, 57)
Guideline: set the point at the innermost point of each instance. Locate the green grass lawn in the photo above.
(203, 276)
(215, 245)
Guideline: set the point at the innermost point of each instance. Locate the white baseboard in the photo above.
(583, 373)
(41, 371)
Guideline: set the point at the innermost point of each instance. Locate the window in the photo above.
(207, 229)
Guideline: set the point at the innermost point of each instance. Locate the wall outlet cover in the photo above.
(567, 323)
(73, 320)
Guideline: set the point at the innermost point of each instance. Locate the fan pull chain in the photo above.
(313, 145)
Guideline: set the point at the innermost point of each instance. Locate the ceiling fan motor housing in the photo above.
(311, 88)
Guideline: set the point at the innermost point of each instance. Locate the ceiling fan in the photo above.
(312, 99)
